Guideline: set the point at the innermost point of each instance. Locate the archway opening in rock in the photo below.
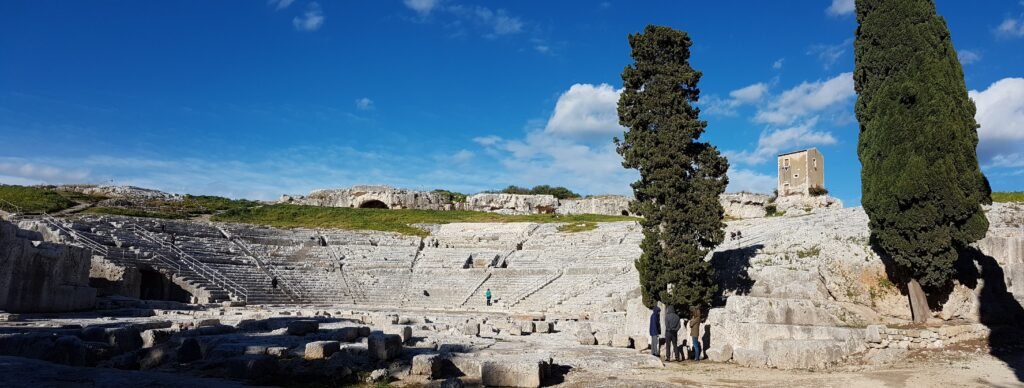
(154, 285)
(373, 204)
(625, 212)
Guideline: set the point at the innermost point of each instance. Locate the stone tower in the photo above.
(801, 170)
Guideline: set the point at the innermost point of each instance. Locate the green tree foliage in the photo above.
(680, 177)
(922, 187)
(557, 191)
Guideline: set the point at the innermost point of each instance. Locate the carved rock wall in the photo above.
(38, 276)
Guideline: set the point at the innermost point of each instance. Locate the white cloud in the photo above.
(778, 63)
(840, 7)
(830, 54)
(586, 110)
(773, 141)
(968, 57)
(747, 180)
(1000, 114)
(364, 104)
(749, 94)
(487, 140)
(462, 156)
(280, 4)
(806, 99)
(1008, 160)
(36, 172)
(311, 20)
(422, 7)
(1010, 28)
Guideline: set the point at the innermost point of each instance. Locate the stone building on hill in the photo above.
(801, 170)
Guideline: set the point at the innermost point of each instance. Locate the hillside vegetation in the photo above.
(28, 199)
(393, 220)
(1008, 196)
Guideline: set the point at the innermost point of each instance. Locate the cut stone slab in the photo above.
(584, 335)
(750, 357)
(426, 365)
(874, 333)
(510, 373)
(471, 328)
(622, 341)
(803, 354)
(303, 327)
(402, 331)
(277, 351)
(384, 346)
(319, 350)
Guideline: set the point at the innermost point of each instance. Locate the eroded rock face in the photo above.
(803, 204)
(373, 197)
(612, 205)
(511, 203)
(38, 276)
(744, 205)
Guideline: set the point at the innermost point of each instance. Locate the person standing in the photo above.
(655, 330)
(695, 332)
(488, 296)
(672, 327)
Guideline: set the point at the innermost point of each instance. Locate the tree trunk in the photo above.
(918, 302)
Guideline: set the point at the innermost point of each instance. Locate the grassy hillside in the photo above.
(1008, 196)
(29, 199)
(189, 206)
(393, 220)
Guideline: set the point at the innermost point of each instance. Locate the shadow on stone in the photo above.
(732, 267)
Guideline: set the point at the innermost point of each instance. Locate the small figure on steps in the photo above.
(488, 296)
(273, 283)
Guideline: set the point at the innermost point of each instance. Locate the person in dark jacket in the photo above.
(655, 330)
(672, 327)
(694, 325)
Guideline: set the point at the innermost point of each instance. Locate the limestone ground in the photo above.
(967, 366)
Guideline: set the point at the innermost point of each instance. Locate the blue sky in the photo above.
(256, 99)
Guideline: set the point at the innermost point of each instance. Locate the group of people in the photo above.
(672, 327)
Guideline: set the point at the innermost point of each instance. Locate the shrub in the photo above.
(817, 191)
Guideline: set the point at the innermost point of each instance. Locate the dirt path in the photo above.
(958, 368)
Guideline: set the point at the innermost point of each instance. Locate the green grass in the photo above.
(577, 227)
(29, 199)
(385, 220)
(189, 206)
(809, 252)
(1008, 196)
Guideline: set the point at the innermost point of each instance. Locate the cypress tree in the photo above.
(680, 177)
(922, 187)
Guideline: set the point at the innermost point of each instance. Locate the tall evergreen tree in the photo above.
(922, 187)
(680, 177)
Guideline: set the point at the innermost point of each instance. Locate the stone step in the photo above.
(755, 335)
(808, 354)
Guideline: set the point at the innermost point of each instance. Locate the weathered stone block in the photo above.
(720, 353)
(471, 328)
(319, 350)
(303, 327)
(509, 373)
(874, 333)
(384, 346)
(151, 338)
(402, 331)
(584, 335)
(277, 351)
(622, 341)
(750, 357)
(125, 339)
(426, 365)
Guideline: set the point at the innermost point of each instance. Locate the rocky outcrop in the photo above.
(37, 276)
(744, 205)
(373, 197)
(511, 203)
(612, 205)
(803, 204)
(121, 192)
